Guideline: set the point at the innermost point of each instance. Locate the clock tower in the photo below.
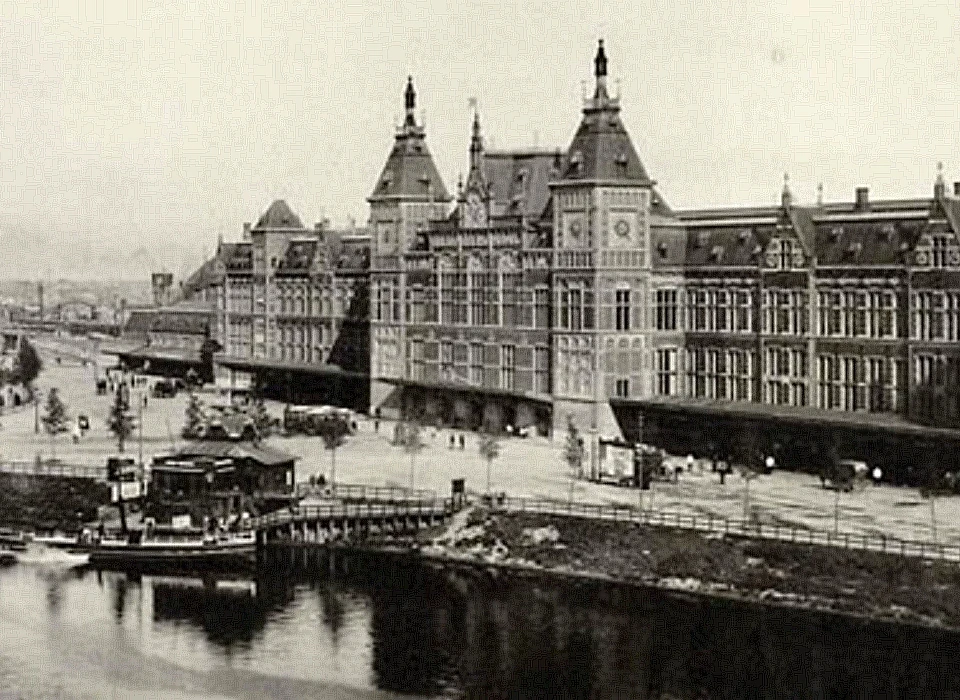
(601, 222)
(475, 196)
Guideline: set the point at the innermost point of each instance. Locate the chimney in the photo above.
(246, 231)
(862, 199)
(956, 189)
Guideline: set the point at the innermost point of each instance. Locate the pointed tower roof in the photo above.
(278, 215)
(601, 149)
(410, 172)
(476, 178)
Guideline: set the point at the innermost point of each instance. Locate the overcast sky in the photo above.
(133, 133)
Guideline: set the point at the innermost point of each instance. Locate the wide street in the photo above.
(532, 467)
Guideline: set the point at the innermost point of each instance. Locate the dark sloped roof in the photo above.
(237, 256)
(264, 454)
(279, 215)
(519, 180)
(866, 242)
(725, 245)
(801, 220)
(139, 322)
(602, 150)
(951, 208)
(410, 170)
(838, 234)
(299, 256)
(669, 246)
(206, 275)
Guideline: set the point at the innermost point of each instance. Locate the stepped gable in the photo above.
(410, 171)
(278, 215)
(601, 149)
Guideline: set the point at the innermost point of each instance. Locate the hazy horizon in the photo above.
(134, 134)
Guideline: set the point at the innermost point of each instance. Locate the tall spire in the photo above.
(410, 102)
(476, 177)
(939, 186)
(600, 71)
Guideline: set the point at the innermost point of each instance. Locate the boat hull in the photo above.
(43, 555)
(142, 557)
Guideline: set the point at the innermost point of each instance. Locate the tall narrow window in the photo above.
(622, 309)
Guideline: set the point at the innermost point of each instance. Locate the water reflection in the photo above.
(229, 615)
(380, 627)
(496, 637)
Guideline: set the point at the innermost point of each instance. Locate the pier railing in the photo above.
(363, 493)
(333, 511)
(719, 525)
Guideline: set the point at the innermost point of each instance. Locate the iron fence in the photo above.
(720, 525)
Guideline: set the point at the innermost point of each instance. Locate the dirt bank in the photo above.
(825, 578)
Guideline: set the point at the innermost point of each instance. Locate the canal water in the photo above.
(367, 627)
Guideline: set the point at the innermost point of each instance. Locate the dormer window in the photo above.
(576, 160)
(886, 233)
(622, 159)
(854, 249)
(703, 237)
(662, 249)
(835, 233)
(744, 235)
(717, 253)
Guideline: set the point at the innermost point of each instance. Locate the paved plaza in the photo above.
(531, 467)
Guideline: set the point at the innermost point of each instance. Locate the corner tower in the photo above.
(601, 233)
(409, 191)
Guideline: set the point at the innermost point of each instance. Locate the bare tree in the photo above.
(489, 447)
(410, 438)
(574, 454)
(934, 482)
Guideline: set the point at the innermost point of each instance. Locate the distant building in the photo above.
(292, 309)
(167, 341)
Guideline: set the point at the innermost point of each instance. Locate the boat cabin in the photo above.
(219, 479)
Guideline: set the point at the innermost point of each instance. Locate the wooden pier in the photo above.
(347, 522)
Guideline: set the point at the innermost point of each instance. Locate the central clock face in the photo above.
(622, 228)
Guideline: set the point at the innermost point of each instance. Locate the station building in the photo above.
(558, 285)
(563, 286)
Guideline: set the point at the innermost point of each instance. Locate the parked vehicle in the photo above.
(164, 389)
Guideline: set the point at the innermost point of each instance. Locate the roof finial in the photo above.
(785, 196)
(410, 102)
(939, 187)
(600, 61)
(819, 194)
(600, 95)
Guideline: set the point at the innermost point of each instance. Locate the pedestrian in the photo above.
(463, 441)
(690, 461)
(453, 440)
